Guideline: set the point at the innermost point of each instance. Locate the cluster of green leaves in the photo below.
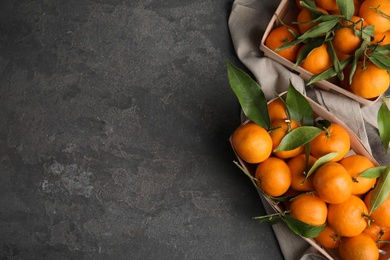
(324, 31)
(254, 105)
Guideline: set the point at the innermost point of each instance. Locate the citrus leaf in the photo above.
(381, 190)
(297, 137)
(380, 60)
(309, 4)
(298, 107)
(303, 229)
(346, 7)
(322, 28)
(372, 173)
(328, 73)
(383, 49)
(336, 62)
(250, 96)
(321, 161)
(367, 32)
(383, 119)
(289, 44)
(356, 57)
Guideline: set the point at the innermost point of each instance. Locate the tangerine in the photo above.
(329, 5)
(280, 128)
(369, 81)
(252, 143)
(334, 138)
(380, 216)
(299, 169)
(378, 234)
(359, 247)
(332, 183)
(328, 238)
(280, 36)
(348, 218)
(356, 164)
(377, 13)
(277, 110)
(317, 60)
(310, 209)
(273, 176)
(345, 40)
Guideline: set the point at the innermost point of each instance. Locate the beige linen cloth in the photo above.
(247, 23)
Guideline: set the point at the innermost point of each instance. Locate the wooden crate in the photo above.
(356, 146)
(287, 11)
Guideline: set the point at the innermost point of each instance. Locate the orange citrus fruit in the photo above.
(369, 81)
(360, 247)
(378, 233)
(377, 13)
(332, 183)
(317, 60)
(328, 238)
(380, 216)
(356, 164)
(279, 129)
(298, 170)
(333, 139)
(330, 5)
(310, 209)
(277, 110)
(345, 40)
(280, 36)
(252, 143)
(348, 218)
(273, 176)
(382, 38)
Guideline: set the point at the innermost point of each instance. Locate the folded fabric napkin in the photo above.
(247, 23)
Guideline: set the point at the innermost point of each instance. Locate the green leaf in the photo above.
(382, 49)
(298, 106)
(303, 229)
(372, 173)
(297, 137)
(356, 57)
(380, 60)
(250, 96)
(310, 4)
(336, 62)
(381, 190)
(329, 73)
(325, 25)
(321, 161)
(383, 118)
(346, 7)
(367, 32)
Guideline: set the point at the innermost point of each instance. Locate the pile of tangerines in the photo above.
(334, 196)
(351, 45)
(307, 166)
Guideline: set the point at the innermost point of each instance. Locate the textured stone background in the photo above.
(114, 126)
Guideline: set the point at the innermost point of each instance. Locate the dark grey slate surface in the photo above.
(114, 126)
